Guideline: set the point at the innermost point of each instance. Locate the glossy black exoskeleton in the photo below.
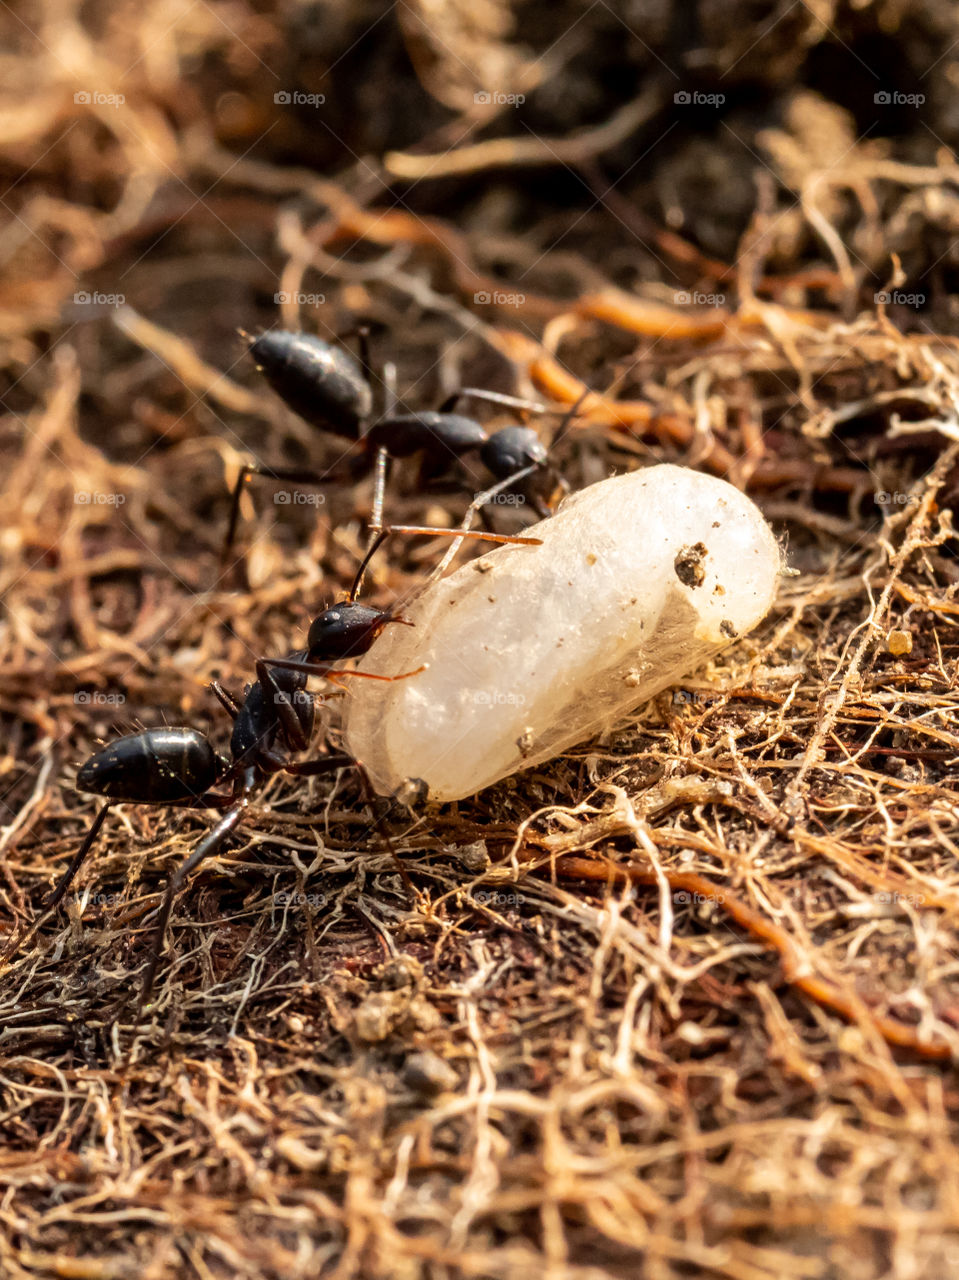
(179, 767)
(518, 451)
(346, 630)
(440, 437)
(264, 731)
(321, 382)
(157, 766)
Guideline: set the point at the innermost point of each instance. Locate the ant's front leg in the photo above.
(283, 702)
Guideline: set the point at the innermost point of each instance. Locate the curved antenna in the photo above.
(371, 551)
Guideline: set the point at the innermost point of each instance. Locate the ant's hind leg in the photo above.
(208, 846)
(294, 475)
(63, 884)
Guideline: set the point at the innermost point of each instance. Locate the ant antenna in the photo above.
(371, 551)
(564, 423)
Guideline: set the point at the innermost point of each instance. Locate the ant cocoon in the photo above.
(638, 581)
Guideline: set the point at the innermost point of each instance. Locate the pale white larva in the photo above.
(532, 649)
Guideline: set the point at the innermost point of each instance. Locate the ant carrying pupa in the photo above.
(509, 661)
(274, 721)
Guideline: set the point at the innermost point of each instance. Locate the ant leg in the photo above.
(390, 397)
(339, 760)
(461, 533)
(362, 335)
(381, 467)
(225, 698)
(382, 534)
(209, 845)
(382, 457)
(371, 798)
(478, 504)
(325, 764)
(284, 707)
(491, 397)
(564, 423)
(56, 897)
(295, 475)
(207, 801)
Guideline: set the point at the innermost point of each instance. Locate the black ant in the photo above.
(327, 387)
(349, 628)
(179, 767)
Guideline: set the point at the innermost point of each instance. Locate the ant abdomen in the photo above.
(156, 766)
(322, 383)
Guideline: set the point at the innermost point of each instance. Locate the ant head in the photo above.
(513, 449)
(346, 630)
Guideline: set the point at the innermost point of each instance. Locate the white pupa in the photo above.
(531, 649)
